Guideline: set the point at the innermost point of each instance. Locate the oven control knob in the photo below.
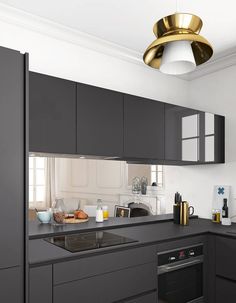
(172, 258)
(191, 253)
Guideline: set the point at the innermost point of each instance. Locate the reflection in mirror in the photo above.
(190, 149)
(209, 149)
(209, 137)
(190, 126)
(153, 173)
(37, 181)
(209, 124)
(190, 138)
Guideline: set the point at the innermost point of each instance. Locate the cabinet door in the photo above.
(193, 136)
(143, 128)
(40, 280)
(213, 142)
(64, 272)
(225, 250)
(12, 285)
(181, 134)
(99, 121)
(110, 287)
(225, 290)
(12, 156)
(148, 298)
(52, 113)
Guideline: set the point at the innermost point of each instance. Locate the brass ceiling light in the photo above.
(178, 48)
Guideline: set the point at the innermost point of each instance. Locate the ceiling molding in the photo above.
(223, 60)
(55, 30)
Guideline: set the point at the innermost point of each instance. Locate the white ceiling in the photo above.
(129, 23)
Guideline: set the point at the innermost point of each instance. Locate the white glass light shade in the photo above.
(177, 58)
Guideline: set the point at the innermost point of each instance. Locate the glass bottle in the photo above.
(99, 211)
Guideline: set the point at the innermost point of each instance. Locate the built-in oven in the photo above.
(180, 275)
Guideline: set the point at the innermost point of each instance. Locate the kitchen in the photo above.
(47, 97)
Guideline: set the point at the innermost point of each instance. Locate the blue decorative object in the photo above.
(221, 190)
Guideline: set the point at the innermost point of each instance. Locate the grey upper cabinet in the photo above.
(75, 118)
(99, 121)
(13, 176)
(181, 134)
(143, 128)
(192, 136)
(52, 112)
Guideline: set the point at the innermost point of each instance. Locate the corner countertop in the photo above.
(148, 232)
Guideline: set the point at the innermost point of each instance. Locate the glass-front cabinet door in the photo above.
(193, 136)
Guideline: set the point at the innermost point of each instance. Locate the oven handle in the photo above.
(168, 268)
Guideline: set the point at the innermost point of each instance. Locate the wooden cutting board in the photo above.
(75, 221)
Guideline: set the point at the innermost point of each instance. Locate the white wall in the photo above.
(70, 61)
(215, 93)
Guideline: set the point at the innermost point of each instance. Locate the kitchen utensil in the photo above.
(74, 221)
(185, 212)
(44, 216)
(176, 208)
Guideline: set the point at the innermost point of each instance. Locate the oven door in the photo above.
(181, 282)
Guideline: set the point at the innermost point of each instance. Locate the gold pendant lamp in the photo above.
(178, 48)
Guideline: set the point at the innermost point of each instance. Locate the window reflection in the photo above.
(209, 137)
(190, 138)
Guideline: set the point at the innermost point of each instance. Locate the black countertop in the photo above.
(38, 230)
(149, 231)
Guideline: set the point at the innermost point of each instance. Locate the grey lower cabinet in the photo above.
(121, 276)
(110, 287)
(99, 121)
(128, 275)
(143, 128)
(12, 285)
(147, 298)
(225, 290)
(224, 274)
(40, 284)
(225, 250)
(52, 114)
(13, 177)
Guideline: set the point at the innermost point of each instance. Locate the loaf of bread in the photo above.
(80, 214)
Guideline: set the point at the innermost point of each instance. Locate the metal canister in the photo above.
(216, 216)
(184, 213)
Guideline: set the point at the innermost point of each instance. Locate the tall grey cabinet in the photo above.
(13, 196)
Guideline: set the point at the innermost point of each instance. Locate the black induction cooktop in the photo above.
(87, 241)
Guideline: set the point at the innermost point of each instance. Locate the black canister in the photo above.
(176, 208)
(176, 213)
